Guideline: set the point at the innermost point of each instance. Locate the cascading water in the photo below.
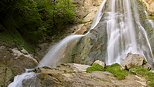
(50, 59)
(18, 80)
(125, 35)
(125, 32)
(57, 51)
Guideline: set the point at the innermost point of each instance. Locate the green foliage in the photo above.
(116, 70)
(56, 15)
(138, 70)
(95, 67)
(32, 20)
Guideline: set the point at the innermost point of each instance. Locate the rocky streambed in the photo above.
(97, 75)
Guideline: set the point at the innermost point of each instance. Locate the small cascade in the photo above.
(57, 51)
(18, 80)
(50, 59)
(98, 15)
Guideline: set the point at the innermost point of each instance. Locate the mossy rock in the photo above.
(140, 71)
(95, 67)
(117, 71)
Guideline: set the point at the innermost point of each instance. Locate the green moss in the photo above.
(117, 71)
(95, 67)
(138, 70)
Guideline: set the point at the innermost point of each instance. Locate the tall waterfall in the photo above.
(125, 34)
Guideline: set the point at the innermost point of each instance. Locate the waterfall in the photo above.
(125, 34)
(57, 51)
(18, 80)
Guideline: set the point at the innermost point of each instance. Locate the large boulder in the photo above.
(135, 60)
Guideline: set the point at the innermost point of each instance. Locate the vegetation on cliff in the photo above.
(25, 22)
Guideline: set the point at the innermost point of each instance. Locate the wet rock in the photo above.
(13, 62)
(100, 63)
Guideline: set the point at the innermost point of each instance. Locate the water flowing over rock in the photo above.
(13, 62)
(121, 30)
(56, 53)
(86, 10)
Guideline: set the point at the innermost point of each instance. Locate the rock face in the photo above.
(13, 62)
(74, 75)
(150, 5)
(135, 60)
(86, 10)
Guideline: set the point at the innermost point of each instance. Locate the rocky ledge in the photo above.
(132, 73)
(75, 75)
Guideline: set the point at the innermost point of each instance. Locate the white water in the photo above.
(125, 32)
(98, 15)
(50, 59)
(18, 80)
(57, 52)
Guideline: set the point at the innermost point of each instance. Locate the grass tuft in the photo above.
(138, 70)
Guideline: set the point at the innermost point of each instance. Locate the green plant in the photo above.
(117, 71)
(138, 70)
(95, 67)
